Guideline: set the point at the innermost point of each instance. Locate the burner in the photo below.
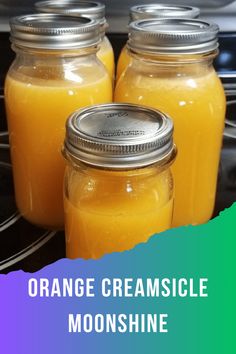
(230, 127)
(230, 122)
(22, 245)
(8, 213)
(232, 177)
(226, 193)
(3, 123)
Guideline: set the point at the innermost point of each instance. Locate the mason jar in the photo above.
(55, 72)
(118, 188)
(148, 11)
(90, 9)
(172, 71)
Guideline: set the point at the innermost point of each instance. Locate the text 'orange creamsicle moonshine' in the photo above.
(141, 12)
(56, 71)
(90, 9)
(118, 185)
(172, 71)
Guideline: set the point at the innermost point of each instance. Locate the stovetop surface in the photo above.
(24, 246)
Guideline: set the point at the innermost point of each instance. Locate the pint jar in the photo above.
(90, 9)
(172, 71)
(118, 188)
(55, 72)
(147, 11)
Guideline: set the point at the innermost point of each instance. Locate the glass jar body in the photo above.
(106, 55)
(188, 89)
(123, 62)
(110, 211)
(41, 90)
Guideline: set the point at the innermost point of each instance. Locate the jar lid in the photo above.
(173, 36)
(51, 31)
(91, 9)
(119, 136)
(140, 12)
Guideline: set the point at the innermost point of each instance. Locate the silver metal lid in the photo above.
(141, 12)
(50, 31)
(119, 136)
(173, 36)
(90, 9)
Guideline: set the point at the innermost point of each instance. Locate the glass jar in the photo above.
(172, 71)
(90, 9)
(118, 187)
(148, 11)
(56, 71)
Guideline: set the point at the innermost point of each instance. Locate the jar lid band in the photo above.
(173, 36)
(90, 9)
(119, 136)
(54, 32)
(141, 12)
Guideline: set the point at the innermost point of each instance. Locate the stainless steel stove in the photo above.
(24, 246)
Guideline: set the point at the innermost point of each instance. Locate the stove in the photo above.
(24, 246)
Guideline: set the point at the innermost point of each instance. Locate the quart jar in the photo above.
(55, 72)
(118, 185)
(148, 11)
(172, 71)
(90, 9)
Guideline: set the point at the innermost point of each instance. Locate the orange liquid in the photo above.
(123, 62)
(37, 112)
(197, 106)
(110, 213)
(106, 55)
